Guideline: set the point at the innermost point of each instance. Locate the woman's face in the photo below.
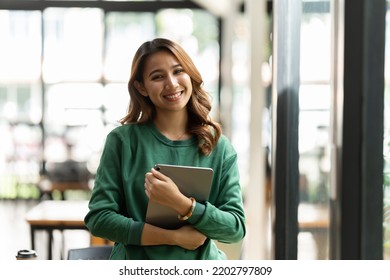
(165, 83)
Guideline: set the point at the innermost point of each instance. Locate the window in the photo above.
(314, 130)
(63, 79)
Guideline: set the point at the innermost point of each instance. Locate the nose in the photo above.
(170, 82)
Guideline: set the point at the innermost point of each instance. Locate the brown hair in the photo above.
(141, 109)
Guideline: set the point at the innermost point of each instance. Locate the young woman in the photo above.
(167, 122)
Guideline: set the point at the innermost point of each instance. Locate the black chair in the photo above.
(90, 253)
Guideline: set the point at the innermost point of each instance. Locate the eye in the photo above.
(178, 71)
(157, 77)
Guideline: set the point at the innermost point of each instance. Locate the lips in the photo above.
(174, 96)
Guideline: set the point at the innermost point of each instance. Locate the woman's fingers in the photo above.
(159, 175)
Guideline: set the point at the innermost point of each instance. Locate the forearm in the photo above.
(186, 237)
(152, 235)
(227, 226)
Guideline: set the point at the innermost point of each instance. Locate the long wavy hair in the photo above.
(141, 109)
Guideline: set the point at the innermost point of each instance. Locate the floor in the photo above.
(15, 233)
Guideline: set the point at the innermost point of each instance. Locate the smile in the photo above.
(173, 96)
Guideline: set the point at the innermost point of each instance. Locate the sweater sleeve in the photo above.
(104, 218)
(224, 220)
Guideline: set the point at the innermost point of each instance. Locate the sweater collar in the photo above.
(162, 138)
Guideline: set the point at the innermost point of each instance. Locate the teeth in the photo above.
(173, 96)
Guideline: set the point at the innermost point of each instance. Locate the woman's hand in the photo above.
(189, 238)
(162, 190)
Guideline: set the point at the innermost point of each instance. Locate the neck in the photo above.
(173, 126)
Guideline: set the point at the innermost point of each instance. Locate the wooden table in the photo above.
(315, 219)
(52, 215)
(311, 216)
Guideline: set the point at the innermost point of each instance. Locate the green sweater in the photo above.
(118, 203)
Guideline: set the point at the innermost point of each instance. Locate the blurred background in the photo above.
(64, 67)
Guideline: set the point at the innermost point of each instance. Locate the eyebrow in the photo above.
(159, 70)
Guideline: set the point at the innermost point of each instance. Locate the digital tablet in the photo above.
(192, 182)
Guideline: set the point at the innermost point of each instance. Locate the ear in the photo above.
(141, 89)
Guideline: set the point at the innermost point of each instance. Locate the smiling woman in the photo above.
(166, 84)
(147, 76)
(168, 122)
